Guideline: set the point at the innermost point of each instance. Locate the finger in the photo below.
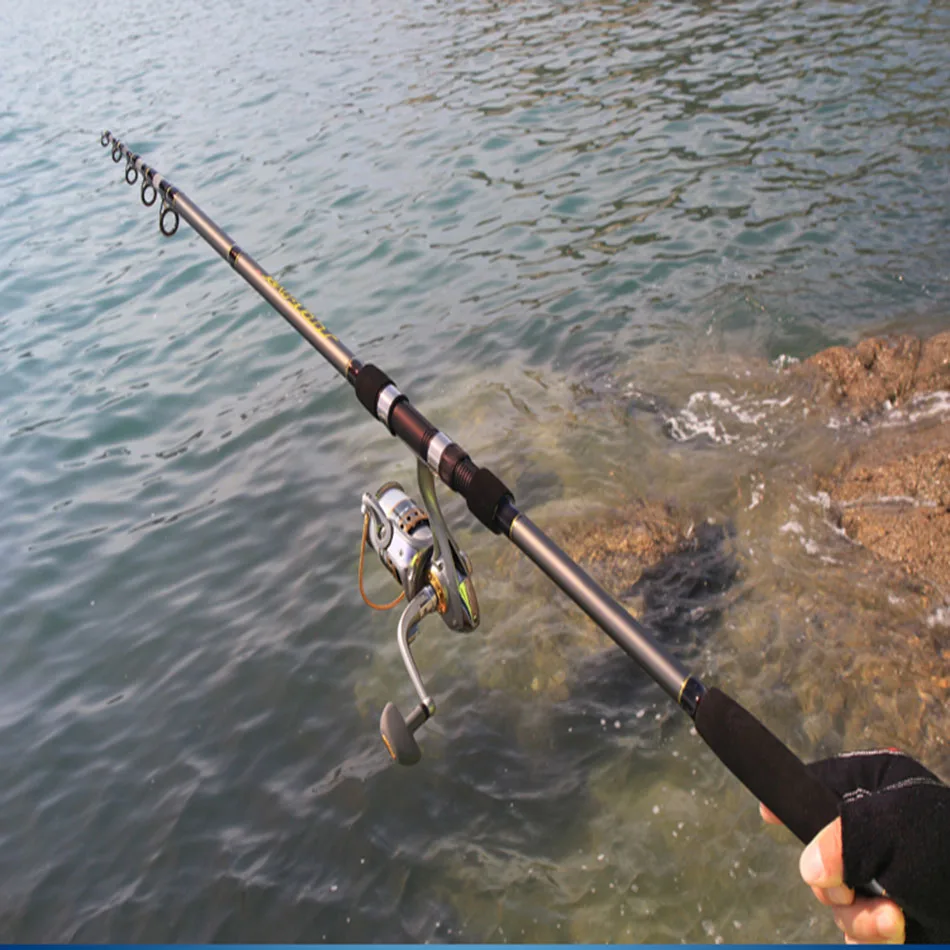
(821, 863)
(834, 896)
(767, 816)
(872, 920)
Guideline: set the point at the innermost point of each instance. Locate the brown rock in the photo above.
(879, 370)
(933, 370)
(616, 549)
(892, 495)
(917, 539)
(908, 466)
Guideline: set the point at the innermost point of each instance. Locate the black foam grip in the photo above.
(369, 383)
(765, 765)
(484, 495)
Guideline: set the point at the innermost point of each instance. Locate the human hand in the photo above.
(861, 919)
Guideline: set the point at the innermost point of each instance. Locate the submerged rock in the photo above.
(852, 657)
(671, 572)
(665, 565)
(616, 547)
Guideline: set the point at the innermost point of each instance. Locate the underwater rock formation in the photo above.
(667, 565)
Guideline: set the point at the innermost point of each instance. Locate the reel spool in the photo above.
(414, 544)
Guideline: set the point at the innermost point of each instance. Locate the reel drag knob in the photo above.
(397, 733)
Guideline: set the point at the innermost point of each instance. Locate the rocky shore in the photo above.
(891, 492)
(863, 648)
(791, 534)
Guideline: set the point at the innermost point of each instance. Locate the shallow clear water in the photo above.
(539, 218)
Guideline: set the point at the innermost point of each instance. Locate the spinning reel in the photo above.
(415, 546)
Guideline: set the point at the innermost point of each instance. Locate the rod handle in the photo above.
(765, 765)
(770, 770)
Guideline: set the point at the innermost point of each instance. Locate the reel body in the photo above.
(414, 544)
(400, 535)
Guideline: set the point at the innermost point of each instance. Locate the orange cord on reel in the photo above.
(366, 599)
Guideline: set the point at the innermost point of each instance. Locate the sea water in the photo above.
(584, 237)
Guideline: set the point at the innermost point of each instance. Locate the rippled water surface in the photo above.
(580, 235)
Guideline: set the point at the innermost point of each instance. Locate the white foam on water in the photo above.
(888, 500)
(926, 406)
(693, 421)
(757, 493)
(935, 405)
(727, 420)
(811, 546)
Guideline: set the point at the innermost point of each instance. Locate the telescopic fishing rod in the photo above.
(415, 545)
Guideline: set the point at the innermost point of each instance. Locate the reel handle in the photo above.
(398, 733)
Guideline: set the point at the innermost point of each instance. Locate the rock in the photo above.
(892, 495)
(874, 372)
(878, 371)
(663, 562)
(889, 491)
(933, 369)
(615, 548)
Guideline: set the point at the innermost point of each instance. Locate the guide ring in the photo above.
(168, 232)
(131, 170)
(146, 184)
(117, 153)
(106, 137)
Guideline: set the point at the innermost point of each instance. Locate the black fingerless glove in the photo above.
(895, 824)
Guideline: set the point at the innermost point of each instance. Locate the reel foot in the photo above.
(398, 735)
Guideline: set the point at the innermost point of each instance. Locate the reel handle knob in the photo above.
(397, 733)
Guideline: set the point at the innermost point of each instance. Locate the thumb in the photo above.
(822, 863)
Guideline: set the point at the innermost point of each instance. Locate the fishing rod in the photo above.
(415, 545)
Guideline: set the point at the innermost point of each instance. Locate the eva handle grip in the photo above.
(765, 765)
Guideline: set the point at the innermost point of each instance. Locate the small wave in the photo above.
(920, 408)
(726, 420)
(926, 406)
